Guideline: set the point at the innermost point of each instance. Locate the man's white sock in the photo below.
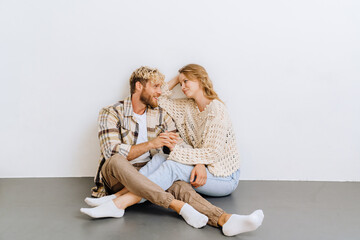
(243, 223)
(94, 202)
(107, 209)
(193, 217)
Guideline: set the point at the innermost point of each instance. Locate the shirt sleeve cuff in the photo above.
(124, 149)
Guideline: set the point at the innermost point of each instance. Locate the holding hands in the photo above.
(168, 139)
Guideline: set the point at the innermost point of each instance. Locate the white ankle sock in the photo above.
(94, 202)
(107, 209)
(243, 223)
(193, 217)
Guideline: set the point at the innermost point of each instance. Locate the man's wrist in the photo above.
(150, 145)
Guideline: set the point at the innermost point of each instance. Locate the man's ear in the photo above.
(139, 86)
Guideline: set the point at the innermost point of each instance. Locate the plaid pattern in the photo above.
(118, 131)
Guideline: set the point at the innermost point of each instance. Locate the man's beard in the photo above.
(147, 99)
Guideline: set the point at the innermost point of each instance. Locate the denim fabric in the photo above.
(164, 172)
(153, 164)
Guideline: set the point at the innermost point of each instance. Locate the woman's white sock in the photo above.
(94, 202)
(108, 209)
(243, 223)
(193, 217)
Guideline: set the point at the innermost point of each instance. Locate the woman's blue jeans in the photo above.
(165, 172)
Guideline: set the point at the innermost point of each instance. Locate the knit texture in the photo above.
(208, 135)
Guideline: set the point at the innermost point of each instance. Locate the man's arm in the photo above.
(110, 143)
(164, 139)
(108, 133)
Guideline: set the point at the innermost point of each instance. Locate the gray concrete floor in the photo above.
(48, 208)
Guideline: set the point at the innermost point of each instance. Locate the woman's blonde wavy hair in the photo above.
(195, 71)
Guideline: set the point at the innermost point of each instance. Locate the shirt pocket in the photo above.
(125, 135)
(158, 129)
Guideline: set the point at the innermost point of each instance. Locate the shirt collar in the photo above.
(128, 109)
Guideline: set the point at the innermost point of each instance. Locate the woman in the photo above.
(204, 125)
(207, 158)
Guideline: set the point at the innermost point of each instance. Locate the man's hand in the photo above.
(173, 139)
(166, 138)
(198, 175)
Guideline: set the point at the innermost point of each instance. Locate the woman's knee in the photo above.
(170, 164)
(153, 164)
(169, 169)
(159, 158)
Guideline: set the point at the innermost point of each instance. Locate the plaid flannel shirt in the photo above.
(118, 131)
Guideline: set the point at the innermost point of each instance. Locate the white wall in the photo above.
(289, 72)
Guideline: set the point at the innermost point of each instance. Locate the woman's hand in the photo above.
(166, 138)
(198, 175)
(172, 139)
(173, 82)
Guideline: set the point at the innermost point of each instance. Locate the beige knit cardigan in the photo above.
(208, 135)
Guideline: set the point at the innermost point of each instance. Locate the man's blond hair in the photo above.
(143, 75)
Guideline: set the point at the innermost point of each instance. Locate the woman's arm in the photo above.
(173, 82)
(212, 149)
(174, 107)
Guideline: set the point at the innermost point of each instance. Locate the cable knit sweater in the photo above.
(208, 135)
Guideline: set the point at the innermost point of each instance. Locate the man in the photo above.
(131, 132)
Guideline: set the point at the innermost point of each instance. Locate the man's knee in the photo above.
(181, 190)
(117, 161)
(114, 163)
(111, 171)
(183, 186)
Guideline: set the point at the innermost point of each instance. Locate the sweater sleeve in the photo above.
(212, 148)
(169, 123)
(174, 107)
